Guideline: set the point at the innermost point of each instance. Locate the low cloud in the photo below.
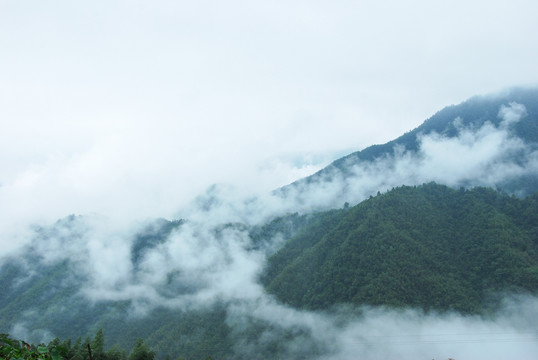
(209, 258)
(512, 113)
(23, 330)
(486, 156)
(381, 333)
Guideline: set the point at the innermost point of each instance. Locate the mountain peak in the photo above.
(499, 131)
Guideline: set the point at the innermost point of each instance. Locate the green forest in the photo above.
(430, 246)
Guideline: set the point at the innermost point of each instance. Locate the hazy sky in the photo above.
(135, 107)
(132, 108)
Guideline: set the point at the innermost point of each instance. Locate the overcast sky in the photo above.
(135, 107)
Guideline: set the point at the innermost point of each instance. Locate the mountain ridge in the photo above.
(473, 113)
(196, 287)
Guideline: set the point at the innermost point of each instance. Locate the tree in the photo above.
(116, 353)
(141, 352)
(98, 345)
(76, 350)
(84, 349)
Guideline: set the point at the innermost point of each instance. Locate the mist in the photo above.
(209, 259)
(382, 333)
(130, 111)
(486, 156)
(115, 114)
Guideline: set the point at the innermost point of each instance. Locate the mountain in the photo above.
(203, 286)
(512, 114)
(430, 246)
(43, 296)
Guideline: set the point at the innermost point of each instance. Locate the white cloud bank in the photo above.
(203, 261)
(381, 333)
(221, 261)
(487, 156)
(131, 110)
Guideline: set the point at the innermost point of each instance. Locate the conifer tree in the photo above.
(141, 352)
(98, 345)
(84, 349)
(116, 353)
(76, 350)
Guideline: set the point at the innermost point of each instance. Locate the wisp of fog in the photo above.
(220, 266)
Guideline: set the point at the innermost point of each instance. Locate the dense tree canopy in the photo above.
(430, 246)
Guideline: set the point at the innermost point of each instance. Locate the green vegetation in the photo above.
(15, 349)
(11, 349)
(430, 247)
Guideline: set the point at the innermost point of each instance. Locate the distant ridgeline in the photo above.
(471, 114)
(430, 246)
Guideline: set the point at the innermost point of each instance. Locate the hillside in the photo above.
(430, 246)
(231, 283)
(469, 116)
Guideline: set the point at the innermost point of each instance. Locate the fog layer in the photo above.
(209, 258)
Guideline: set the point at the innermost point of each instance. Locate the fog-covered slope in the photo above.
(258, 275)
(485, 141)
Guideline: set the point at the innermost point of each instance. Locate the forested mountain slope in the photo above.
(429, 246)
(470, 117)
(199, 286)
(43, 297)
